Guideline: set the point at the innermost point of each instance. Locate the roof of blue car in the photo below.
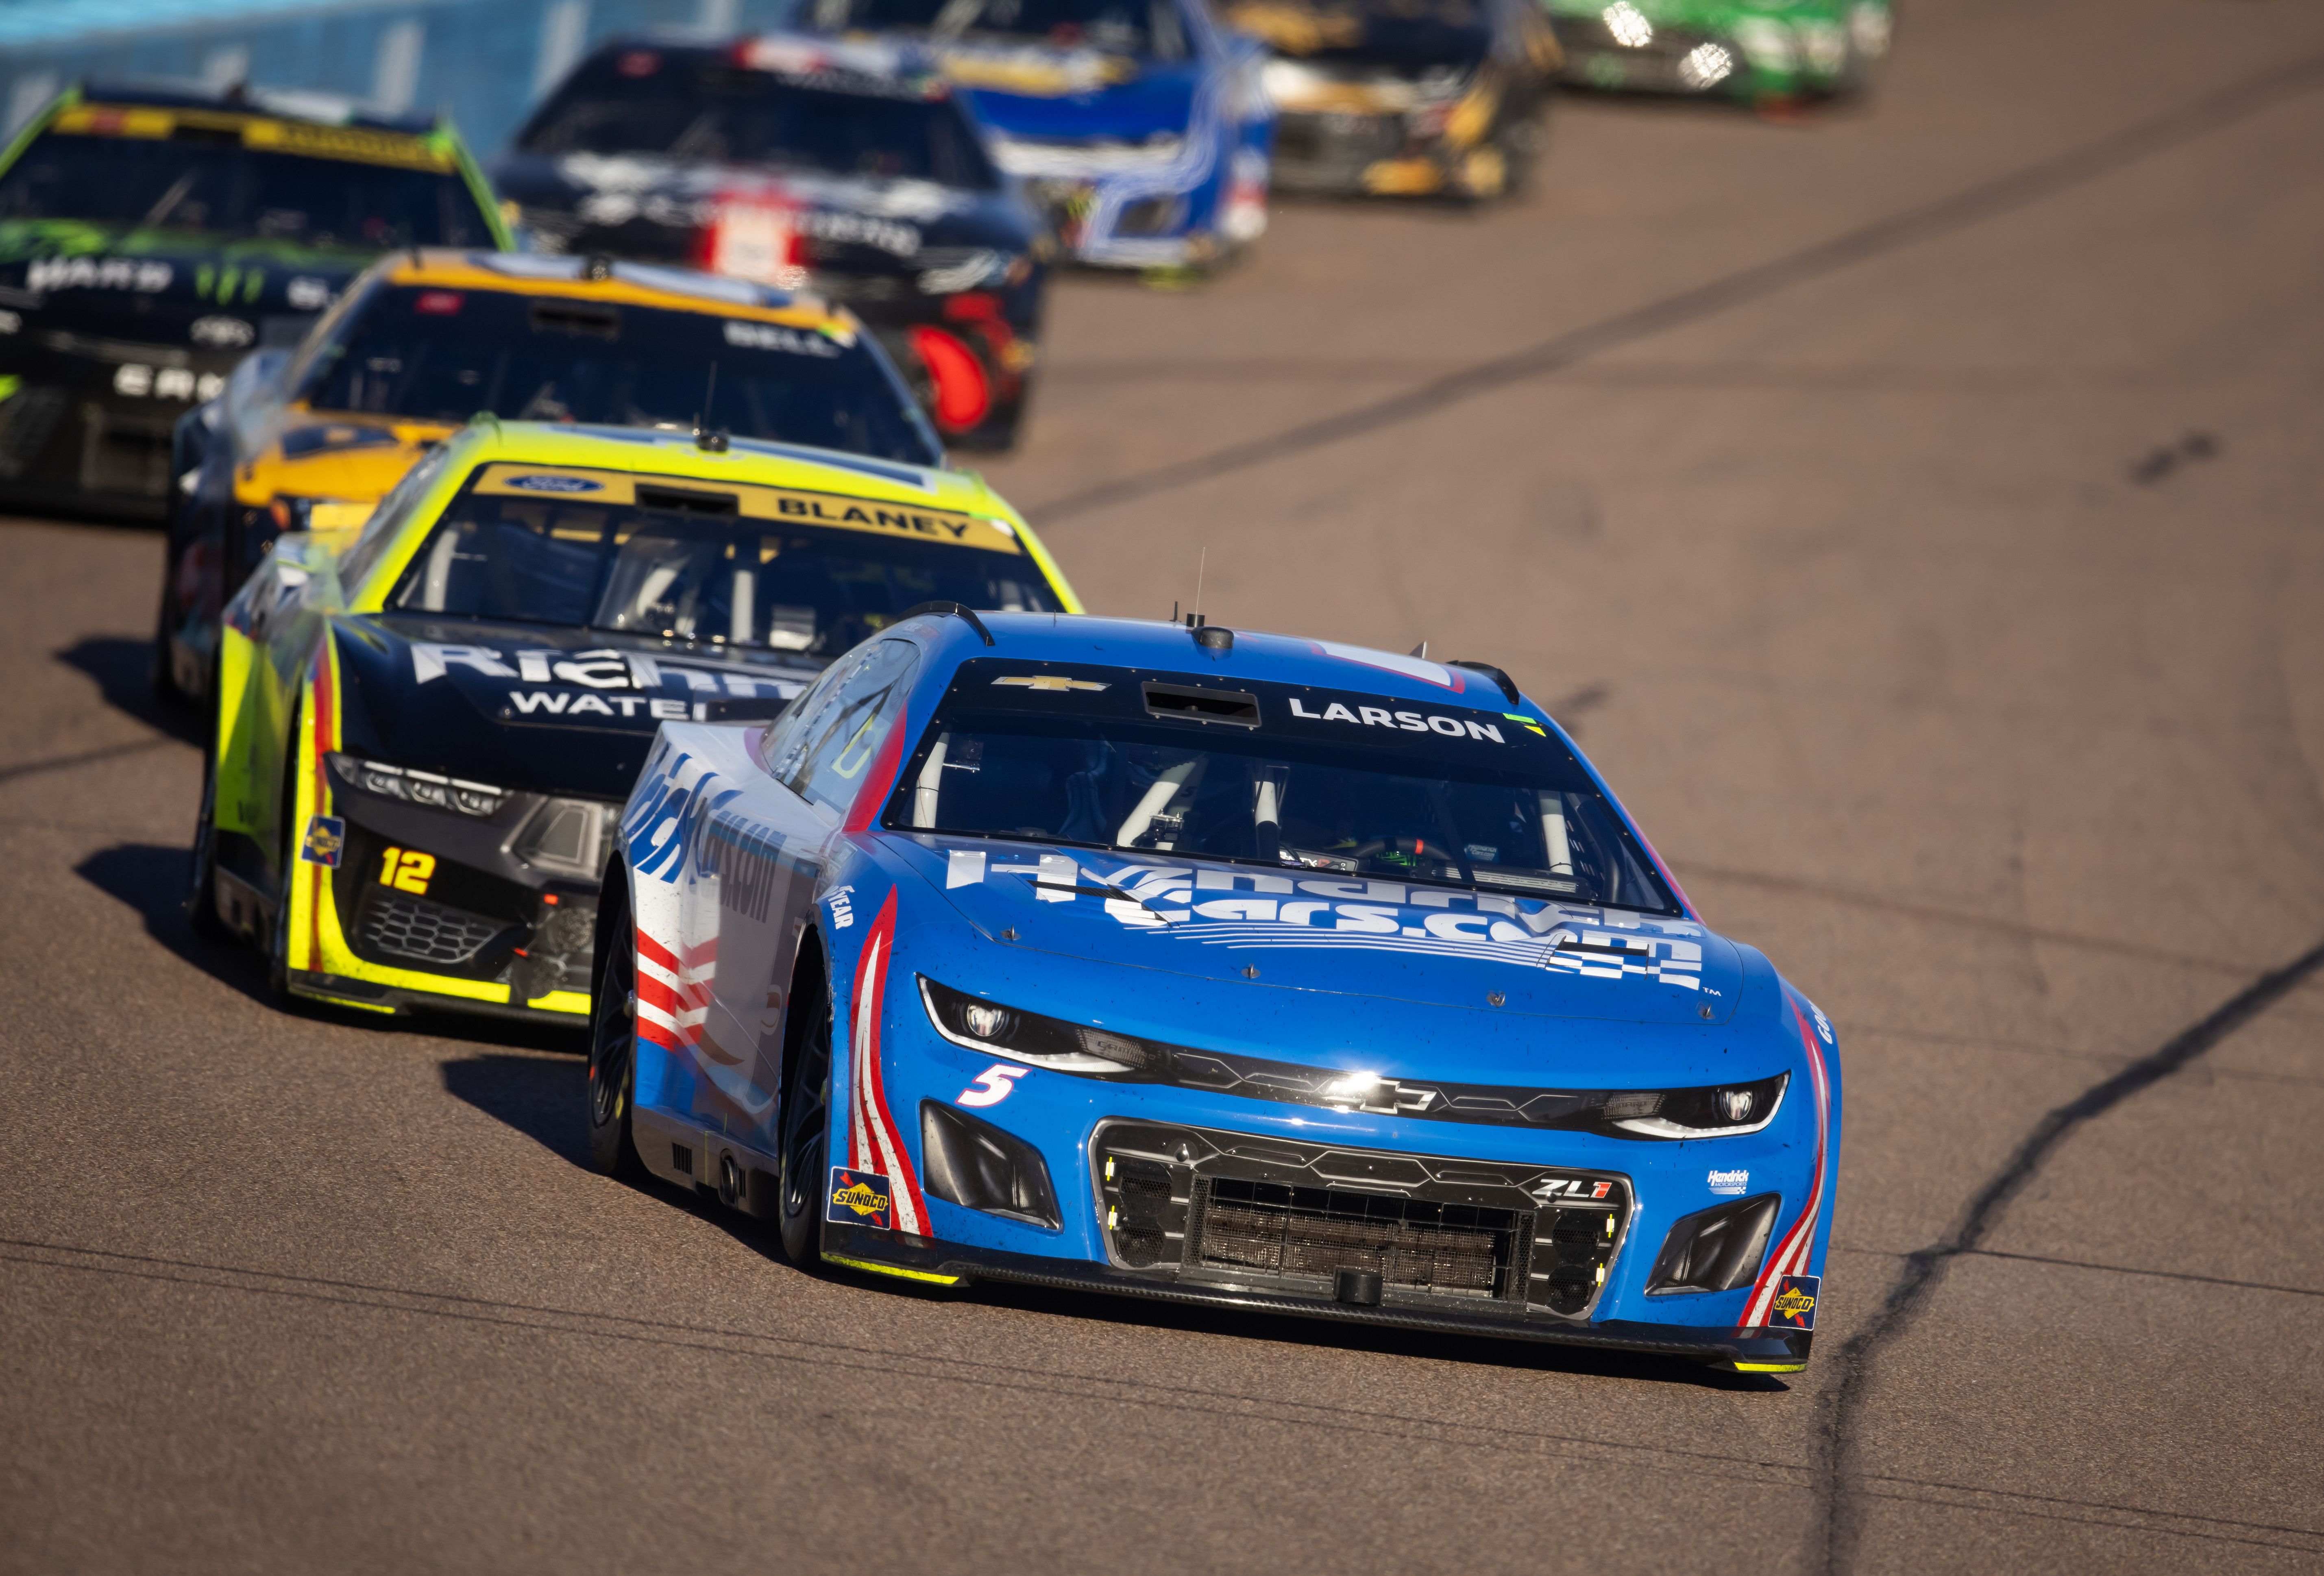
(1156, 643)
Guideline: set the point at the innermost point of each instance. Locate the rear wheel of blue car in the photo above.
(613, 1058)
(805, 1120)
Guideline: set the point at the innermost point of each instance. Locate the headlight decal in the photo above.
(992, 1028)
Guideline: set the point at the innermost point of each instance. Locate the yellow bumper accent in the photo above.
(897, 1270)
(1769, 1367)
(1404, 178)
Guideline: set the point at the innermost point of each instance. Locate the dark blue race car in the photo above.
(1141, 126)
(1235, 968)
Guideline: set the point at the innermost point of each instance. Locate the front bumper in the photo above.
(1111, 210)
(930, 1261)
(1376, 156)
(87, 423)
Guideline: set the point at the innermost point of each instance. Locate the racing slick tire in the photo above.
(164, 680)
(805, 1120)
(613, 1085)
(201, 871)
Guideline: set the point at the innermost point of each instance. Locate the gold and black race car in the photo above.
(311, 438)
(149, 241)
(1404, 98)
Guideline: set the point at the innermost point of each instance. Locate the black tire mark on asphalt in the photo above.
(2021, 188)
(1837, 1526)
(2209, 1280)
(86, 758)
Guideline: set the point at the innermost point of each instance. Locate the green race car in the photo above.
(1754, 50)
(152, 238)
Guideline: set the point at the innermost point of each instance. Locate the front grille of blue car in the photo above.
(1207, 1207)
(1458, 1250)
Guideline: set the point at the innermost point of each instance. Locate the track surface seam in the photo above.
(1838, 1525)
(2021, 188)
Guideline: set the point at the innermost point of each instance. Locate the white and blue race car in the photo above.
(1239, 969)
(1142, 130)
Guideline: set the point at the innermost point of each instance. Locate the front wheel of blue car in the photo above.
(807, 1134)
(613, 1064)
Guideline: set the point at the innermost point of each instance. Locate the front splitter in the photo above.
(925, 1261)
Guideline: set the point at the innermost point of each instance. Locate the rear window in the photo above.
(708, 111)
(437, 354)
(203, 179)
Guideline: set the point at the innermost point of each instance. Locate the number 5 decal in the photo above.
(992, 1085)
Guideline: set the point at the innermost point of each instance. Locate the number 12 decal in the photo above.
(992, 1085)
(407, 869)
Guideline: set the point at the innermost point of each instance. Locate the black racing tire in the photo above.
(278, 951)
(164, 675)
(612, 1085)
(201, 871)
(805, 1125)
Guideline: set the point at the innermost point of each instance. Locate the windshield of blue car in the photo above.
(1399, 37)
(446, 354)
(708, 111)
(1335, 784)
(220, 187)
(1145, 29)
(676, 573)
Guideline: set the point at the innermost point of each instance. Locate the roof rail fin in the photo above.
(952, 610)
(1508, 686)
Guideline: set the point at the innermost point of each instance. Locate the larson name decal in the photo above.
(1408, 721)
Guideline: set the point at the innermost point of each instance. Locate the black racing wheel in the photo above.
(806, 1130)
(613, 1059)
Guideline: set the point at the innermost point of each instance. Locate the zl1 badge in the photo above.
(861, 1198)
(326, 839)
(1796, 1302)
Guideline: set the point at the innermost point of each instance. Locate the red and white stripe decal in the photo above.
(674, 991)
(1791, 1256)
(872, 1142)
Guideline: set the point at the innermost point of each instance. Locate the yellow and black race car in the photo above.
(149, 240)
(312, 437)
(1404, 98)
(426, 727)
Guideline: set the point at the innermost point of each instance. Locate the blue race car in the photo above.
(1238, 969)
(1141, 127)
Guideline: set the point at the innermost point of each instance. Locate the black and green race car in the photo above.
(151, 239)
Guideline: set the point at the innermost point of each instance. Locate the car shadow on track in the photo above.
(1286, 1330)
(539, 1096)
(151, 879)
(124, 671)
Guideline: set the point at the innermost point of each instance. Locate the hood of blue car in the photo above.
(1355, 936)
(1153, 100)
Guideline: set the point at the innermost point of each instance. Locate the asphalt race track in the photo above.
(1915, 510)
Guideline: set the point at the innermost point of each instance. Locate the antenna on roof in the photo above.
(704, 438)
(1201, 565)
(1421, 649)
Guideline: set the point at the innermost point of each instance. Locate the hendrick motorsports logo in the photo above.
(1731, 1182)
(859, 1198)
(1795, 1301)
